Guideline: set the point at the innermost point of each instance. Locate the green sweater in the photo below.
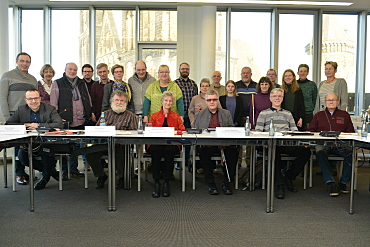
(309, 90)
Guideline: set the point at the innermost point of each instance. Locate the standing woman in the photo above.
(293, 97)
(261, 99)
(165, 117)
(153, 94)
(44, 85)
(232, 102)
(332, 85)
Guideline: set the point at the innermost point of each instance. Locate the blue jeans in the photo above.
(322, 153)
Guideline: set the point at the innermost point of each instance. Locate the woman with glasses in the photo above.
(293, 97)
(44, 85)
(232, 102)
(261, 101)
(153, 94)
(332, 85)
(118, 84)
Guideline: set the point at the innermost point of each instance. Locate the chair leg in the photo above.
(5, 163)
(13, 169)
(305, 176)
(194, 165)
(311, 165)
(138, 151)
(182, 155)
(60, 172)
(86, 179)
(263, 168)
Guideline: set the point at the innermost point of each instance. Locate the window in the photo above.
(367, 75)
(158, 25)
(11, 39)
(115, 39)
(221, 45)
(295, 42)
(339, 45)
(250, 43)
(69, 39)
(32, 39)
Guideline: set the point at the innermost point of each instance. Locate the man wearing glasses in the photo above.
(333, 119)
(34, 114)
(14, 85)
(272, 75)
(87, 74)
(212, 117)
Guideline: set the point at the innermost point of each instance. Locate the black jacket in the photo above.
(238, 109)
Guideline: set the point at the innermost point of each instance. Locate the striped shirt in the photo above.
(123, 121)
(189, 89)
(282, 119)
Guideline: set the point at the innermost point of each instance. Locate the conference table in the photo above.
(206, 138)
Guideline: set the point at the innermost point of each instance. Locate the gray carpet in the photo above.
(79, 217)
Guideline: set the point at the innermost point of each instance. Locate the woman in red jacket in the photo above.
(164, 118)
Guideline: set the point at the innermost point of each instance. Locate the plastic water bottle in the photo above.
(247, 128)
(140, 126)
(364, 128)
(102, 120)
(271, 127)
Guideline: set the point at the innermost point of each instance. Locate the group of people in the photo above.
(75, 102)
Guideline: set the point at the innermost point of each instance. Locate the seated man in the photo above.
(283, 121)
(123, 120)
(212, 117)
(335, 120)
(33, 115)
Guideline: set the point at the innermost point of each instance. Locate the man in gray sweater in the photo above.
(14, 85)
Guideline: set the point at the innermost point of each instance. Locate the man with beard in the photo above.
(123, 120)
(189, 89)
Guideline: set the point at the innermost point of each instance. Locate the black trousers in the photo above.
(303, 155)
(205, 155)
(167, 152)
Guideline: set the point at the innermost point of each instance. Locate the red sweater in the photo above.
(97, 92)
(339, 121)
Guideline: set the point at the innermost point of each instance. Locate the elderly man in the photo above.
(32, 115)
(283, 121)
(70, 96)
(212, 117)
(335, 120)
(123, 120)
(139, 83)
(216, 85)
(14, 85)
(272, 75)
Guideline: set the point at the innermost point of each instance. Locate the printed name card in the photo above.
(100, 130)
(230, 132)
(12, 129)
(159, 131)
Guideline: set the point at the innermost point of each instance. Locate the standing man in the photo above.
(212, 117)
(333, 119)
(139, 82)
(88, 73)
(32, 115)
(14, 85)
(309, 90)
(283, 121)
(70, 96)
(272, 75)
(216, 85)
(189, 89)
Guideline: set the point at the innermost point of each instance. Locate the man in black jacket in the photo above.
(32, 115)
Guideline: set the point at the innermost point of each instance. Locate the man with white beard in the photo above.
(123, 120)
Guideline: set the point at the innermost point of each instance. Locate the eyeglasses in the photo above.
(30, 99)
(271, 74)
(276, 96)
(86, 71)
(118, 72)
(212, 100)
(24, 61)
(331, 100)
(164, 72)
(184, 69)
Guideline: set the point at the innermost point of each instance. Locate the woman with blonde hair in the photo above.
(44, 85)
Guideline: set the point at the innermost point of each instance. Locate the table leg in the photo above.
(109, 174)
(272, 191)
(32, 206)
(113, 174)
(352, 177)
(269, 165)
(194, 164)
(5, 169)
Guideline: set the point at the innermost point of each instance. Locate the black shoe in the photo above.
(55, 174)
(65, 176)
(100, 182)
(27, 177)
(166, 189)
(333, 190)
(157, 190)
(77, 173)
(119, 184)
(225, 187)
(213, 189)
(280, 192)
(289, 185)
(41, 184)
(343, 188)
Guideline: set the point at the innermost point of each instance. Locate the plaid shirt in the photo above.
(189, 89)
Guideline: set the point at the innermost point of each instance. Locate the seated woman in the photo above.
(164, 118)
(231, 101)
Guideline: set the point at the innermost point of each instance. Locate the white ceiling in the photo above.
(359, 5)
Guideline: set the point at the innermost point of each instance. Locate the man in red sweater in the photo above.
(333, 119)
